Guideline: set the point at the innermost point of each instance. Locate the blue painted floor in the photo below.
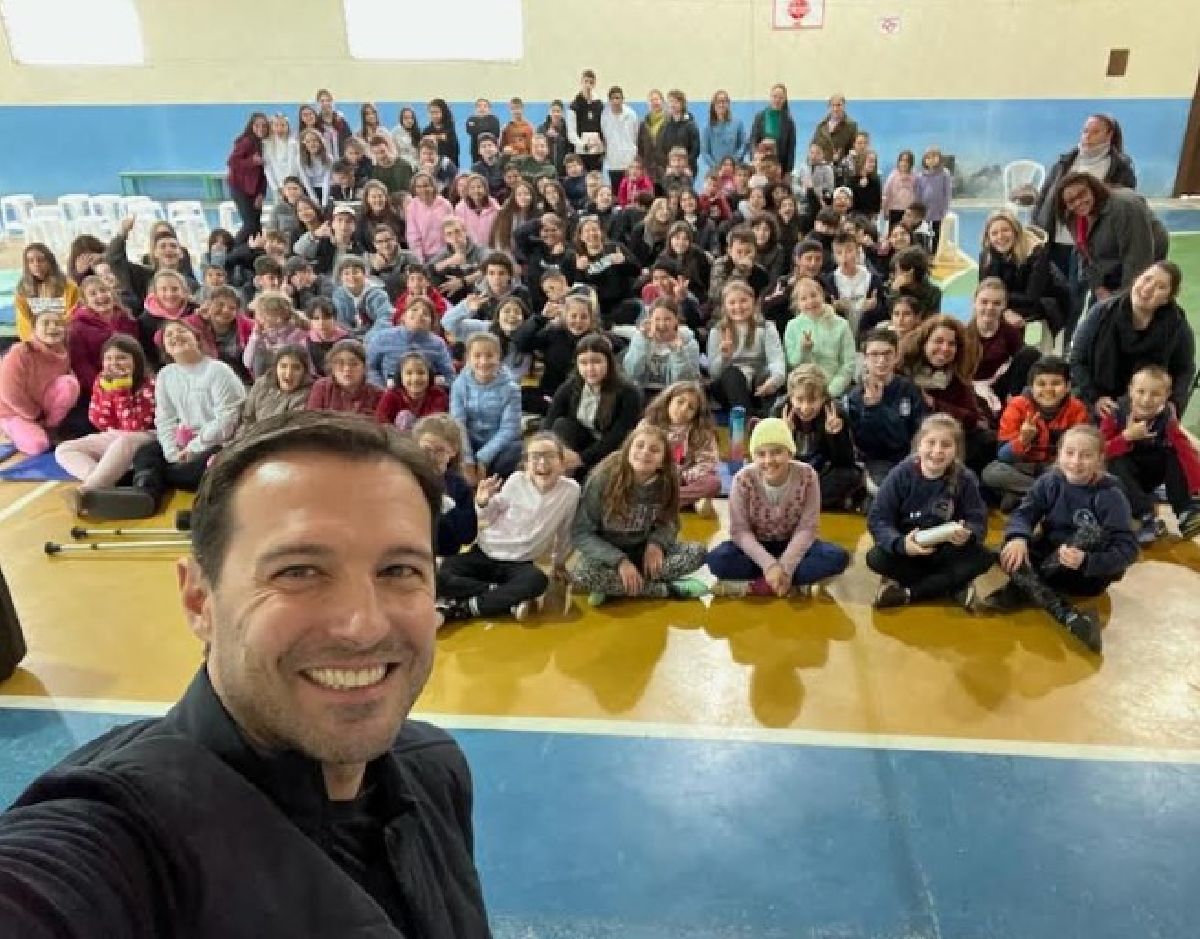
(647, 838)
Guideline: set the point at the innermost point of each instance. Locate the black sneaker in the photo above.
(1085, 627)
(890, 594)
(965, 596)
(454, 611)
(1005, 600)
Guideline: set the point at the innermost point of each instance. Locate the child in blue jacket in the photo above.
(1071, 534)
(487, 402)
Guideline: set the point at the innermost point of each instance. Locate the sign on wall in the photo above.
(797, 14)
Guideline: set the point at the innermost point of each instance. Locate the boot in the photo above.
(454, 611)
(1081, 624)
(1007, 599)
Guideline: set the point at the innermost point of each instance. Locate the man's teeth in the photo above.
(341, 678)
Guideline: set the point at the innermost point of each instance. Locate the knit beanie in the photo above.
(772, 432)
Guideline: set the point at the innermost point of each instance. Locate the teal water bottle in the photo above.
(737, 434)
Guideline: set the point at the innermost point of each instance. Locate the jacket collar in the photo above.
(291, 780)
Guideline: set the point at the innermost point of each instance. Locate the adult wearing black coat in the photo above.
(776, 122)
(1143, 325)
(1101, 153)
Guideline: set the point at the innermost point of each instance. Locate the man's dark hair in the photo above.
(829, 216)
(1050, 365)
(347, 436)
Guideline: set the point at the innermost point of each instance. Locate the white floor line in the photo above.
(716, 734)
(32, 495)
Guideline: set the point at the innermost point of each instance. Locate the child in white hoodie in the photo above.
(521, 520)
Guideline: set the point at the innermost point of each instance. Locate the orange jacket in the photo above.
(1041, 449)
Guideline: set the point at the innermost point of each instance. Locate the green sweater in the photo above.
(832, 348)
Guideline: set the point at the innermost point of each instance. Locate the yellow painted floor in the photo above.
(107, 626)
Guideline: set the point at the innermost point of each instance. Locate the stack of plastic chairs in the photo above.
(228, 216)
(48, 225)
(75, 206)
(14, 213)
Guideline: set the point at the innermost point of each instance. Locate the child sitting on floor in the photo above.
(487, 402)
(122, 411)
(441, 437)
(816, 334)
(1072, 534)
(919, 498)
(1146, 447)
(884, 410)
(1030, 428)
(774, 510)
(682, 411)
(276, 325)
(412, 394)
(822, 436)
(626, 529)
(520, 521)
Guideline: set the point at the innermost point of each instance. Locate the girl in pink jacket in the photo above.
(37, 388)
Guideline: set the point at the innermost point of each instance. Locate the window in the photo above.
(424, 31)
(73, 32)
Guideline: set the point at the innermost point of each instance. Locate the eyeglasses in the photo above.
(549, 456)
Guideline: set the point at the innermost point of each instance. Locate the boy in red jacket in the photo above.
(1146, 447)
(1030, 428)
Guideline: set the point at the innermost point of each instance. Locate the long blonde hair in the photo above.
(1024, 239)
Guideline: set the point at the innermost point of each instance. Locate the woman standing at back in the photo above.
(247, 179)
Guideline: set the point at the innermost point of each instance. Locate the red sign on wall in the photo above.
(798, 14)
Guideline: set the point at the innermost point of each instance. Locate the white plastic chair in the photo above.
(107, 206)
(75, 205)
(268, 216)
(1022, 175)
(139, 206)
(184, 209)
(228, 216)
(14, 212)
(193, 234)
(97, 225)
(51, 230)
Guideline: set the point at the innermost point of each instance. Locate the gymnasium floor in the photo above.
(746, 768)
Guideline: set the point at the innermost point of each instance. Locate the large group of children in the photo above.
(558, 327)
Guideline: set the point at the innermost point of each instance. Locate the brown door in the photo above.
(1187, 180)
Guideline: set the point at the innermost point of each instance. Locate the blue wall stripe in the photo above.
(73, 148)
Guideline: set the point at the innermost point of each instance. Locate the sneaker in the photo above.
(687, 588)
(731, 588)
(596, 598)
(522, 610)
(1085, 627)
(454, 611)
(1009, 502)
(1005, 600)
(890, 594)
(1151, 530)
(704, 508)
(760, 588)
(965, 596)
(1189, 523)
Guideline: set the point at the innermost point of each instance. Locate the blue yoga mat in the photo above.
(36, 469)
(6, 450)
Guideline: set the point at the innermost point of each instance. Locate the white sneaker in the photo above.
(522, 610)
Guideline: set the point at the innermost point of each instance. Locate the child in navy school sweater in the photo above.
(928, 490)
(441, 437)
(885, 409)
(1071, 534)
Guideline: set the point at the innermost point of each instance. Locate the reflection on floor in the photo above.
(745, 768)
